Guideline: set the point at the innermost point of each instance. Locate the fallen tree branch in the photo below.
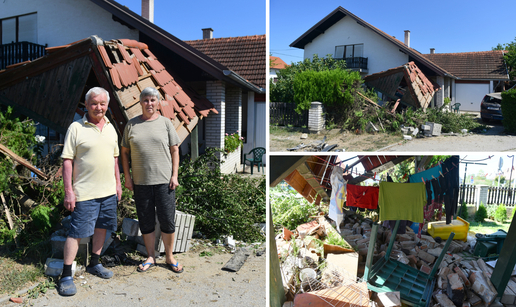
(22, 161)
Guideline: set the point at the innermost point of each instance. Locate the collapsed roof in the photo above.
(50, 89)
(310, 175)
(407, 83)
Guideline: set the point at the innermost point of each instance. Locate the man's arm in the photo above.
(117, 177)
(174, 153)
(126, 154)
(69, 201)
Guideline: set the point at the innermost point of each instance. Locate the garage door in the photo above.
(470, 95)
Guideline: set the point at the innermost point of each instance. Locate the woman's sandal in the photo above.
(150, 264)
(174, 268)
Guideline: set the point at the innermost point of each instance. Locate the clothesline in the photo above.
(321, 179)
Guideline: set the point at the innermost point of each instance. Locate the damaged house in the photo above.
(31, 28)
(461, 77)
(384, 260)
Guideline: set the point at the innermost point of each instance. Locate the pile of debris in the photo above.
(316, 146)
(461, 279)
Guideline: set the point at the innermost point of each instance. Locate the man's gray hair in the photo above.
(150, 91)
(96, 91)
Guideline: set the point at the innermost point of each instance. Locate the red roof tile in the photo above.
(124, 53)
(245, 55)
(138, 54)
(105, 57)
(277, 63)
(472, 65)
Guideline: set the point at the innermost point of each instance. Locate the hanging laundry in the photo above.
(427, 175)
(338, 191)
(451, 187)
(402, 201)
(362, 197)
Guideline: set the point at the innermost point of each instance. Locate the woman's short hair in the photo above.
(95, 91)
(149, 91)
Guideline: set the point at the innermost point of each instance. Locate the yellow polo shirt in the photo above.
(93, 153)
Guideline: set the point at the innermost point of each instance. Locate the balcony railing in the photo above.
(20, 52)
(355, 62)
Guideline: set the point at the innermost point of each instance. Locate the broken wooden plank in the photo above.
(22, 161)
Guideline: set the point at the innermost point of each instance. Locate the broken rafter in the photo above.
(22, 161)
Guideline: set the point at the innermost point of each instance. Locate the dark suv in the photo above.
(491, 107)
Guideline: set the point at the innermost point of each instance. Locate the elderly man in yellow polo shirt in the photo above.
(90, 157)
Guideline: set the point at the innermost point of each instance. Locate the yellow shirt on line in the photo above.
(93, 153)
(402, 201)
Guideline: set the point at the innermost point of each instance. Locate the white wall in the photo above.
(61, 22)
(381, 54)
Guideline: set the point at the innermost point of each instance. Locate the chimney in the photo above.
(148, 10)
(407, 38)
(207, 33)
(432, 50)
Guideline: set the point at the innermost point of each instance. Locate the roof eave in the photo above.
(243, 82)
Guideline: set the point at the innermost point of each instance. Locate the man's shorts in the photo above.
(91, 214)
(152, 199)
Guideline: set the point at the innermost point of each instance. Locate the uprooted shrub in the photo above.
(223, 204)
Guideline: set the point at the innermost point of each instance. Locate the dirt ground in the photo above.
(494, 139)
(202, 283)
(283, 138)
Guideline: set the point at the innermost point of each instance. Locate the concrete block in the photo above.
(130, 227)
(54, 267)
(404, 131)
(425, 127)
(415, 132)
(407, 137)
(408, 244)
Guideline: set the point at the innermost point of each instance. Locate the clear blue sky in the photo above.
(185, 19)
(447, 26)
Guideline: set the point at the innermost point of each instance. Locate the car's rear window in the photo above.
(490, 99)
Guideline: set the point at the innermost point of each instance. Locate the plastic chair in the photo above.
(455, 107)
(258, 153)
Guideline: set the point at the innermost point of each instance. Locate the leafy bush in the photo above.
(464, 211)
(500, 214)
(283, 90)
(223, 204)
(232, 142)
(481, 213)
(331, 87)
(491, 210)
(509, 110)
(288, 209)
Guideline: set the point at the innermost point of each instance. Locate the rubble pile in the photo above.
(461, 279)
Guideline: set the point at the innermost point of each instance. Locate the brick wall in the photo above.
(233, 110)
(215, 123)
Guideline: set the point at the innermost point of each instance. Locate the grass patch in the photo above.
(15, 276)
(488, 226)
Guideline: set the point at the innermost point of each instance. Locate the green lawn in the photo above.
(488, 226)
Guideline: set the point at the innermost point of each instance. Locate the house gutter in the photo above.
(236, 77)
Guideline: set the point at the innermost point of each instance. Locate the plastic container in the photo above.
(459, 226)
